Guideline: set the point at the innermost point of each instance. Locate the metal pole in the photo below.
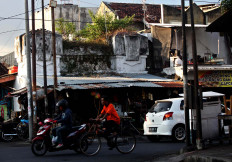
(44, 64)
(29, 89)
(185, 76)
(196, 103)
(54, 52)
(34, 65)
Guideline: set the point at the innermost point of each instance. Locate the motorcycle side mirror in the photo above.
(40, 123)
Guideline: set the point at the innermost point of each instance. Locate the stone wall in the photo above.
(85, 59)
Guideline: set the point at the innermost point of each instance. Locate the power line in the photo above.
(89, 3)
(58, 20)
(2, 18)
(11, 31)
(4, 46)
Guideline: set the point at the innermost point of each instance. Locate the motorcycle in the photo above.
(14, 128)
(43, 142)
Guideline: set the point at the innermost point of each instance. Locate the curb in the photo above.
(196, 158)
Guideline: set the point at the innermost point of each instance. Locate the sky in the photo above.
(13, 27)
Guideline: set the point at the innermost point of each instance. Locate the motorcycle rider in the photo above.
(65, 118)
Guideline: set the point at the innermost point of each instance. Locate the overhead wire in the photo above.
(3, 18)
(10, 37)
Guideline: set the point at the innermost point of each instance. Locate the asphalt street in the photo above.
(145, 151)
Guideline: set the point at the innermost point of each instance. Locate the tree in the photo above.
(65, 28)
(103, 23)
(226, 5)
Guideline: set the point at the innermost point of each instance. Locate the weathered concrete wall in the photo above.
(118, 41)
(199, 16)
(103, 8)
(171, 15)
(84, 16)
(130, 53)
(20, 53)
(78, 15)
(132, 44)
(85, 59)
(78, 65)
(212, 15)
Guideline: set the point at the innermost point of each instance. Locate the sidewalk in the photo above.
(212, 153)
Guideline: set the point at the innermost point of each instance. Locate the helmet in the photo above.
(62, 103)
(48, 120)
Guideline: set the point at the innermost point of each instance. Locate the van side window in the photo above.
(182, 105)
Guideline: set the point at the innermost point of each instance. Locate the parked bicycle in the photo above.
(124, 141)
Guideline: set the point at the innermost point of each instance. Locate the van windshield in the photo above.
(161, 107)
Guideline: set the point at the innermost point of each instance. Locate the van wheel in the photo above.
(153, 138)
(178, 133)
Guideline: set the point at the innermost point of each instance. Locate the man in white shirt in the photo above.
(178, 61)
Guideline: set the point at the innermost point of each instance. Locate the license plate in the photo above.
(152, 129)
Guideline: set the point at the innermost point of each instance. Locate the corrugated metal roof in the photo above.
(65, 81)
(170, 84)
(109, 85)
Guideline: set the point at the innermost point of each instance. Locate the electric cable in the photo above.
(11, 31)
(3, 18)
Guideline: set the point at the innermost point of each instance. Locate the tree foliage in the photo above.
(102, 24)
(65, 28)
(226, 5)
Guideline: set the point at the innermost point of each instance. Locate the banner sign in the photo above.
(3, 111)
(215, 78)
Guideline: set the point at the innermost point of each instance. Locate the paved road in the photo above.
(144, 151)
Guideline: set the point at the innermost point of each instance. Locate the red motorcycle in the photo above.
(43, 141)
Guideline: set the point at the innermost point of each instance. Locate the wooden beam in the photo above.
(7, 78)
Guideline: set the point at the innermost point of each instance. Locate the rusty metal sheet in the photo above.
(170, 84)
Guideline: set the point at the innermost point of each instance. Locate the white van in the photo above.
(166, 118)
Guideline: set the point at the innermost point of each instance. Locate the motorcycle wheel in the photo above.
(22, 131)
(39, 148)
(7, 138)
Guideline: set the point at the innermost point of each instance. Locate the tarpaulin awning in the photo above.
(39, 92)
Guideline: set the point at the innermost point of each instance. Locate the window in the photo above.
(182, 105)
(161, 107)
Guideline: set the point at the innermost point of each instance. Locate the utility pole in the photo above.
(44, 65)
(34, 65)
(144, 12)
(29, 89)
(185, 77)
(196, 97)
(53, 5)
